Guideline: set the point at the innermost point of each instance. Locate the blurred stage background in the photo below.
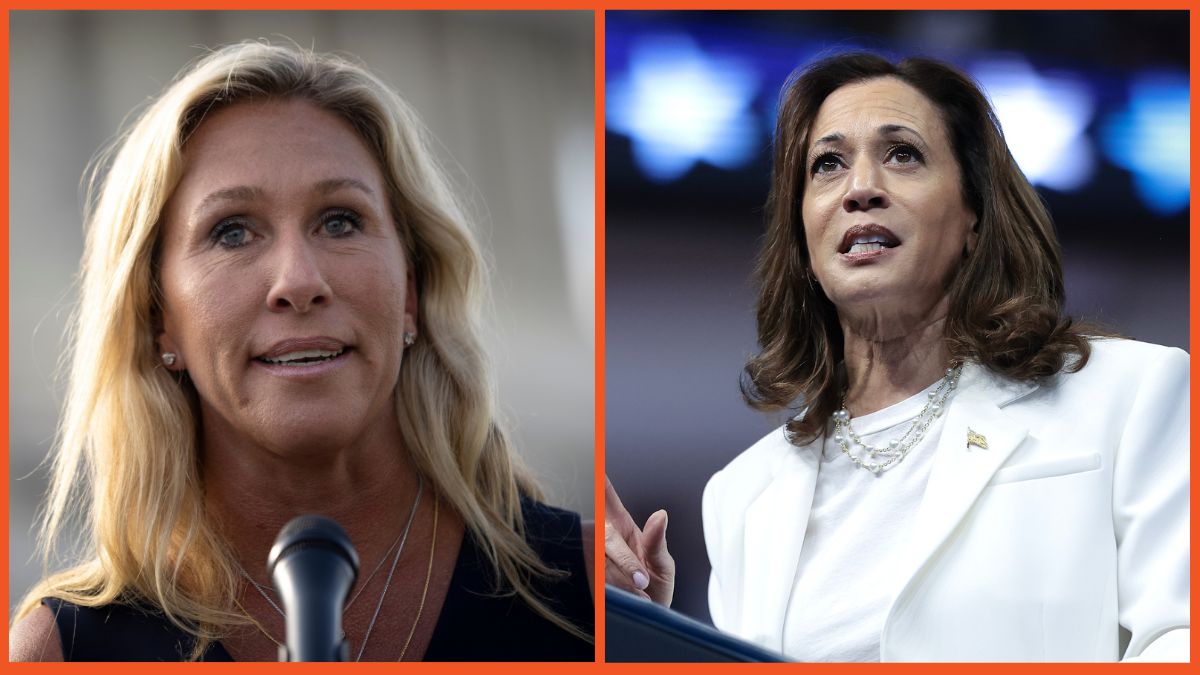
(510, 98)
(1095, 109)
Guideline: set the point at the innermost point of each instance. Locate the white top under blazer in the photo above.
(1069, 530)
(843, 584)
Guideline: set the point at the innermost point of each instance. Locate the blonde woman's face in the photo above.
(884, 215)
(286, 290)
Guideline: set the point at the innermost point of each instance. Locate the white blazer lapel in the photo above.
(961, 469)
(775, 524)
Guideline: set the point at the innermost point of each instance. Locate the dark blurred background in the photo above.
(1095, 109)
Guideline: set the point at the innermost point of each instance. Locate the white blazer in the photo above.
(1072, 523)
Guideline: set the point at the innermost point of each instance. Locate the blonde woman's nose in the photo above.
(299, 283)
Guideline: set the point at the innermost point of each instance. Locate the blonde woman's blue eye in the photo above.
(340, 225)
(230, 235)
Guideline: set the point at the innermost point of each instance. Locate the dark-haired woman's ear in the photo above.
(972, 240)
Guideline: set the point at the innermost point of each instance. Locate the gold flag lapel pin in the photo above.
(975, 438)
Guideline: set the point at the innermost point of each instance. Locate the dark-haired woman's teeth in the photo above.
(868, 244)
(866, 248)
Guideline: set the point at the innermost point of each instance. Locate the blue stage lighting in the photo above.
(1044, 117)
(680, 106)
(1151, 137)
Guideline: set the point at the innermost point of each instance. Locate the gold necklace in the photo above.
(428, 575)
(257, 625)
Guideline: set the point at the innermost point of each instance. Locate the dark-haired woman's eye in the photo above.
(904, 154)
(341, 223)
(826, 163)
(230, 234)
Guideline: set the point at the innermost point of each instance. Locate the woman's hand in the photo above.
(636, 559)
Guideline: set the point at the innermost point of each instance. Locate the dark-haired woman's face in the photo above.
(884, 215)
(285, 285)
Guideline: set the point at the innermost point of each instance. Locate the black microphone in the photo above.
(313, 565)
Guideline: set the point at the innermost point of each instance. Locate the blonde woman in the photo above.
(278, 316)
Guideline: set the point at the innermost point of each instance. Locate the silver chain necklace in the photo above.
(401, 540)
(362, 586)
(880, 458)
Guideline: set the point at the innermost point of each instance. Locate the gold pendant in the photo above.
(976, 439)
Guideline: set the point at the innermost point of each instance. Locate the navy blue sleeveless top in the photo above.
(476, 622)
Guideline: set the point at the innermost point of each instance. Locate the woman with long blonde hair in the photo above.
(279, 315)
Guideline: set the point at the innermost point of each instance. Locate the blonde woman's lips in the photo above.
(304, 357)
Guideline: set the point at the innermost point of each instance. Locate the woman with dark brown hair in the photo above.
(970, 474)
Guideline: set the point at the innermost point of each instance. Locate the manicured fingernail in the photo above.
(640, 580)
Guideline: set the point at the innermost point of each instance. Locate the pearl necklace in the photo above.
(891, 454)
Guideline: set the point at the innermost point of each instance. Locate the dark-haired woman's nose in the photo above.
(866, 190)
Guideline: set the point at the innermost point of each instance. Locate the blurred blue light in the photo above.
(1044, 118)
(1151, 138)
(680, 106)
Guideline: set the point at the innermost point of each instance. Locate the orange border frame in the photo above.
(598, 485)
(598, 7)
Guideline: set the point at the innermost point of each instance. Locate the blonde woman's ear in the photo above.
(169, 353)
(412, 304)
